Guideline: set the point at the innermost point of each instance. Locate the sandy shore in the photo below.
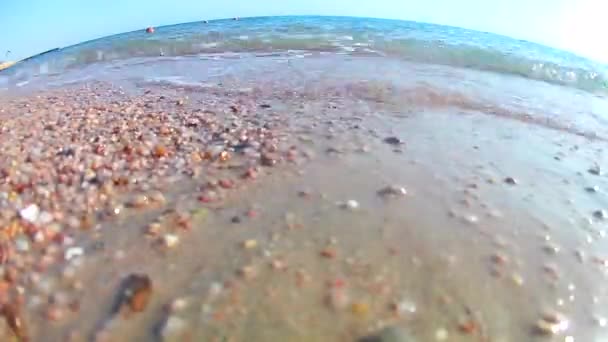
(180, 213)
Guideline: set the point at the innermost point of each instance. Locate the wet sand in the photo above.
(273, 212)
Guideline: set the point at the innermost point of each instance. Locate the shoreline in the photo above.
(278, 212)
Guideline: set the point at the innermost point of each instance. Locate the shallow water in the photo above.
(497, 226)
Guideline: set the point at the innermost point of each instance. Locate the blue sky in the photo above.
(31, 26)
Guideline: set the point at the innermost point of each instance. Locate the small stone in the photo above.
(30, 213)
(517, 279)
(235, 219)
(224, 156)
(247, 272)
(328, 253)
(595, 170)
(359, 309)
(226, 183)
(510, 181)
(250, 244)
(600, 321)
(592, 189)
(551, 248)
(389, 334)
(154, 229)
(392, 191)
(499, 259)
(73, 252)
(546, 328)
(178, 305)
(136, 292)
(600, 214)
(441, 334)
(552, 323)
(393, 141)
(22, 244)
(404, 307)
(170, 240)
(351, 205)
(160, 151)
(269, 159)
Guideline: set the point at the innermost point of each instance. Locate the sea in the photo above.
(297, 35)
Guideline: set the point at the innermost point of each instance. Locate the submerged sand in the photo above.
(346, 210)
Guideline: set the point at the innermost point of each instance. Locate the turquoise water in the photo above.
(411, 41)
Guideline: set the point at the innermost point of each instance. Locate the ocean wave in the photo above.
(415, 42)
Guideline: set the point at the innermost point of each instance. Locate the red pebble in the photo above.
(252, 213)
(226, 183)
(205, 199)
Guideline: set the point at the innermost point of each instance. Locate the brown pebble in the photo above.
(328, 253)
(160, 151)
(468, 327)
(499, 259)
(247, 272)
(268, 159)
(136, 292)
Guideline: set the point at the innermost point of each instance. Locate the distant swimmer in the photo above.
(150, 29)
(235, 18)
(205, 21)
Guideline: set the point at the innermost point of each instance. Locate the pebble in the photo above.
(499, 259)
(404, 307)
(592, 189)
(170, 240)
(392, 190)
(359, 309)
(551, 248)
(600, 321)
(441, 334)
(22, 244)
(351, 205)
(136, 292)
(552, 323)
(178, 305)
(517, 279)
(73, 252)
(510, 181)
(247, 272)
(600, 214)
(329, 253)
(595, 170)
(30, 213)
(250, 244)
(393, 141)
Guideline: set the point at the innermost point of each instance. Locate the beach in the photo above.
(301, 196)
